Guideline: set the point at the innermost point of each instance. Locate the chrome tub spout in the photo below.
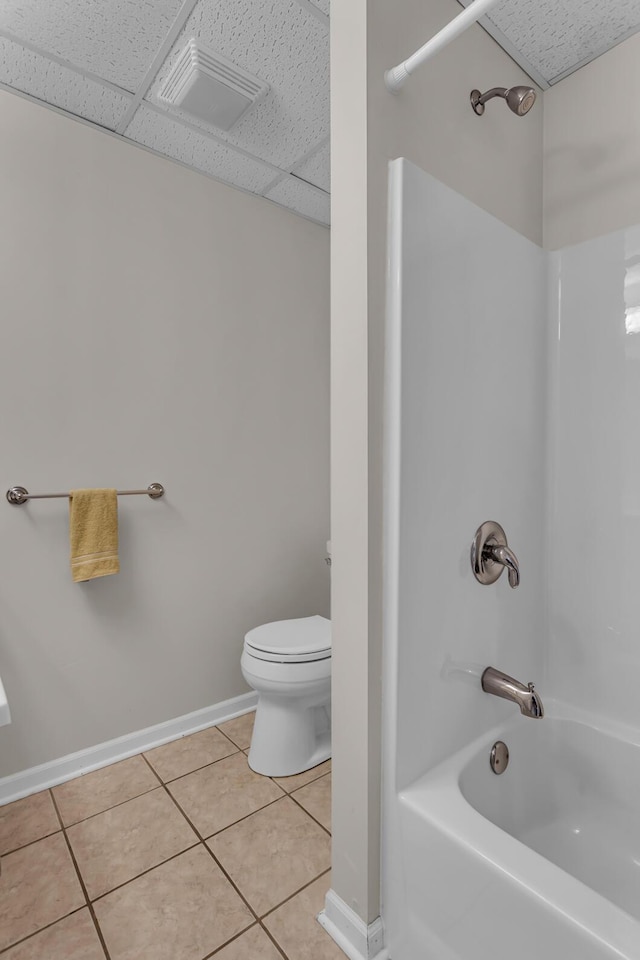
(501, 685)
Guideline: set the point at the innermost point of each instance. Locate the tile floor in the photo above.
(180, 853)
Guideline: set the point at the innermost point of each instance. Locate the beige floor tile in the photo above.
(38, 886)
(73, 938)
(173, 760)
(181, 910)
(239, 729)
(252, 945)
(27, 820)
(273, 853)
(299, 779)
(126, 840)
(219, 795)
(296, 929)
(97, 791)
(316, 799)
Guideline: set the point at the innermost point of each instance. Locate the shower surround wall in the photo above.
(593, 652)
(466, 382)
(158, 326)
(473, 404)
(475, 424)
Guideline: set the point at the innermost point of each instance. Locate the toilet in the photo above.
(288, 663)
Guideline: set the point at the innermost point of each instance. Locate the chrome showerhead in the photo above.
(519, 99)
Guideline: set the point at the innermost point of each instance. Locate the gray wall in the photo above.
(158, 326)
(592, 149)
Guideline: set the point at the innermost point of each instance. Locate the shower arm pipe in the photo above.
(396, 76)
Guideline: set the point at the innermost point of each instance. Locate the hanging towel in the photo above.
(93, 532)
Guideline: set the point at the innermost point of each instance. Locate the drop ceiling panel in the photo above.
(322, 5)
(279, 42)
(46, 80)
(113, 39)
(299, 196)
(173, 139)
(552, 38)
(317, 168)
(96, 60)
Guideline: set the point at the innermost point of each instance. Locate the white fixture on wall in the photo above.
(210, 87)
(396, 76)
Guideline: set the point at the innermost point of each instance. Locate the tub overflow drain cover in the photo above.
(499, 758)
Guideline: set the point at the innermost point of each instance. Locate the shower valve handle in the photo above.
(490, 554)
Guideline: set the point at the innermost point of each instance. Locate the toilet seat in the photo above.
(290, 641)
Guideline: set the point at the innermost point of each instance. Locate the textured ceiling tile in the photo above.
(282, 43)
(317, 169)
(115, 39)
(556, 37)
(302, 198)
(322, 5)
(173, 139)
(48, 81)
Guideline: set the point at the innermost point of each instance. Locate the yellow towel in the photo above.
(93, 532)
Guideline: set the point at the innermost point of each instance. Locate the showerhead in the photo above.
(519, 99)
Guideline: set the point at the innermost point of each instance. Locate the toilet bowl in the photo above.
(288, 663)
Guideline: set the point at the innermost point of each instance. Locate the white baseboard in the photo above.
(360, 941)
(92, 758)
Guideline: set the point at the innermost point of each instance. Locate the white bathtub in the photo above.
(539, 863)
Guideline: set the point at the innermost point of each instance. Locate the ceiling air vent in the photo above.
(210, 87)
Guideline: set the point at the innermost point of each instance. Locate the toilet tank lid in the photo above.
(293, 637)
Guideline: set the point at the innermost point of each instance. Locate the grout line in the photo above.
(210, 836)
(233, 884)
(165, 48)
(47, 926)
(225, 873)
(81, 881)
(237, 937)
(182, 776)
(240, 893)
(131, 879)
(200, 841)
(23, 846)
(293, 789)
(55, 807)
(120, 803)
(273, 940)
(143, 873)
(153, 770)
(227, 737)
(291, 896)
(315, 820)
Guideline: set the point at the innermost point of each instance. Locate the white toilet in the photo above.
(288, 663)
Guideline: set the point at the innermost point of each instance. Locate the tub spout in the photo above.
(501, 685)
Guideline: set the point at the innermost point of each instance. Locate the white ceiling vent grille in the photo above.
(210, 87)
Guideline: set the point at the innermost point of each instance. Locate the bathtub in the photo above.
(542, 861)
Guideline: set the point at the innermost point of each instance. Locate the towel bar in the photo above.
(18, 495)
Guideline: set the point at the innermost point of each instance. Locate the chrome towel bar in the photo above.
(18, 495)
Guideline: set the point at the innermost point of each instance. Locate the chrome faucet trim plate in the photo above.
(490, 554)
